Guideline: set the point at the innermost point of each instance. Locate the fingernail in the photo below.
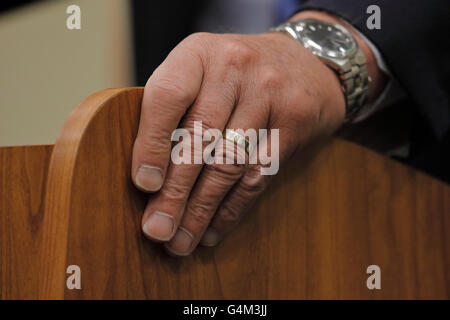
(210, 238)
(159, 226)
(149, 178)
(181, 242)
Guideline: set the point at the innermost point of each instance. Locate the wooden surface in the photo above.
(330, 213)
(23, 173)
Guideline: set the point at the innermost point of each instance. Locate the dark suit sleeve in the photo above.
(413, 40)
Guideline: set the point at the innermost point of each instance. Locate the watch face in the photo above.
(325, 39)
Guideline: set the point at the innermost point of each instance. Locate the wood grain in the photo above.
(23, 172)
(335, 209)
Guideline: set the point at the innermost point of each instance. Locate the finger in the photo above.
(169, 92)
(214, 182)
(274, 149)
(243, 194)
(233, 208)
(212, 109)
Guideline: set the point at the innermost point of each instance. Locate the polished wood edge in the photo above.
(58, 193)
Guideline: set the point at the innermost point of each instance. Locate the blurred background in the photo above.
(46, 70)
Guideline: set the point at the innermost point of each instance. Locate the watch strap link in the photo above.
(355, 83)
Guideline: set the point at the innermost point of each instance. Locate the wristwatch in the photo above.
(337, 48)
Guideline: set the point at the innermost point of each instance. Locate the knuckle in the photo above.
(224, 172)
(153, 146)
(196, 123)
(190, 125)
(175, 191)
(196, 115)
(165, 88)
(238, 54)
(201, 210)
(272, 78)
(197, 38)
(253, 182)
(229, 213)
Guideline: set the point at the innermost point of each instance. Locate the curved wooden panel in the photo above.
(331, 212)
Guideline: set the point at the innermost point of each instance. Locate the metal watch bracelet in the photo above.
(353, 74)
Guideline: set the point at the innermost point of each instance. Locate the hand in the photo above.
(226, 81)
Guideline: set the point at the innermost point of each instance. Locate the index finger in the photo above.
(169, 92)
